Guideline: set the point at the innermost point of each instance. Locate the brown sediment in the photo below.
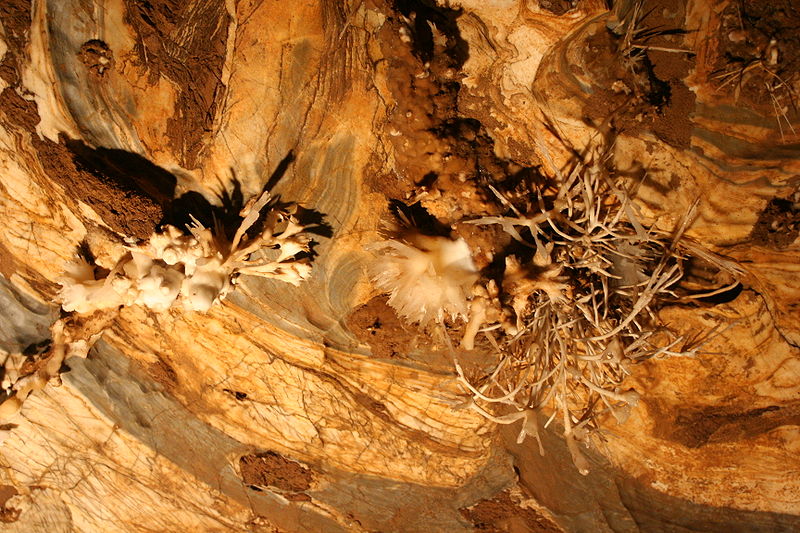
(642, 89)
(18, 111)
(674, 123)
(97, 57)
(271, 469)
(15, 16)
(186, 43)
(120, 202)
(376, 324)
(502, 514)
(758, 56)
(778, 225)
(122, 206)
(443, 158)
(8, 514)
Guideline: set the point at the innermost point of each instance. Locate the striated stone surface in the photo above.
(282, 409)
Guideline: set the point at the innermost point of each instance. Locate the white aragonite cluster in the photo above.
(562, 324)
(427, 277)
(24, 373)
(196, 269)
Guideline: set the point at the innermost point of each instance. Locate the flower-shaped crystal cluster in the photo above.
(427, 277)
(195, 269)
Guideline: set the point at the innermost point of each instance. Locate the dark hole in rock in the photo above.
(239, 395)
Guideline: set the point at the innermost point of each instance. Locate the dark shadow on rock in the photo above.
(314, 221)
(423, 16)
(125, 170)
(194, 206)
(656, 511)
(280, 171)
(608, 499)
(130, 182)
(417, 217)
(191, 206)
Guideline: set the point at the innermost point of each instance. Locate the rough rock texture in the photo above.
(291, 408)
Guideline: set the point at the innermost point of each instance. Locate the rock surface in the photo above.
(281, 409)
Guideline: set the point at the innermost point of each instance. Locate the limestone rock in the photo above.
(285, 408)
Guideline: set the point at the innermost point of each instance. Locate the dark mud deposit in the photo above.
(637, 88)
(270, 469)
(502, 514)
(758, 60)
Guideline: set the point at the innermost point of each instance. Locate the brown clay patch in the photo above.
(443, 158)
(270, 469)
(120, 203)
(185, 42)
(640, 89)
(502, 514)
(758, 60)
(778, 225)
(376, 324)
(6, 492)
(673, 125)
(97, 57)
(117, 198)
(8, 514)
(18, 111)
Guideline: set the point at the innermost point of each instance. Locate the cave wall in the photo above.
(109, 110)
